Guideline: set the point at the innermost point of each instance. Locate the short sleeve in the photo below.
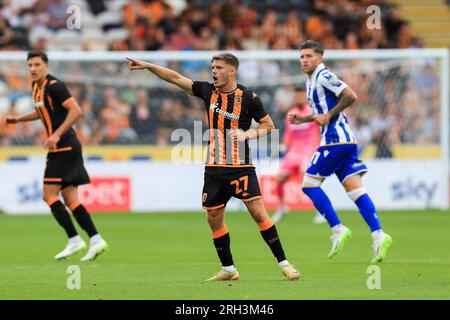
(201, 89)
(331, 82)
(59, 93)
(256, 108)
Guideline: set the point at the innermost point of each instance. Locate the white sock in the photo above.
(77, 238)
(338, 228)
(283, 263)
(96, 238)
(377, 235)
(231, 268)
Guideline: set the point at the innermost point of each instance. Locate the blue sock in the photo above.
(323, 205)
(368, 211)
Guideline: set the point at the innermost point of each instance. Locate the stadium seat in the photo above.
(82, 4)
(94, 39)
(68, 40)
(109, 18)
(115, 5)
(3, 88)
(24, 105)
(5, 105)
(116, 34)
(41, 33)
(89, 21)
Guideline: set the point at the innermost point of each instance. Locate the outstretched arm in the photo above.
(165, 74)
(10, 119)
(297, 119)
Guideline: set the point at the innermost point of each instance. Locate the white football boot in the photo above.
(74, 245)
(97, 247)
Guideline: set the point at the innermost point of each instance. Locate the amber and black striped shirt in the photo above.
(49, 98)
(231, 110)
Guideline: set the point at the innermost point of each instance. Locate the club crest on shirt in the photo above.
(237, 99)
(204, 196)
(333, 80)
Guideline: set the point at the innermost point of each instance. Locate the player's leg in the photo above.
(323, 164)
(214, 199)
(221, 240)
(304, 163)
(75, 243)
(356, 191)
(341, 234)
(311, 187)
(281, 210)
(97, 244)
(270, 235)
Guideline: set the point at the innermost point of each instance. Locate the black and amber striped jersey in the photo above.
(50, 96)
(230, 110)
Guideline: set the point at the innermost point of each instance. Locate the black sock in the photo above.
(84, 220)
(62, 216)
(222, 245)
(271, 237)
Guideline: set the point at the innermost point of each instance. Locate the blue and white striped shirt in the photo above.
(322, 90)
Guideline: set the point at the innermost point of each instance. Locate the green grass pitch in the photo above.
(168, 256)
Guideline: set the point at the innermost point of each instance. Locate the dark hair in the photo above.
(311, 44)
(229, 58)
(35, 53)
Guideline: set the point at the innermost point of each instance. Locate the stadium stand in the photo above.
(146, 115)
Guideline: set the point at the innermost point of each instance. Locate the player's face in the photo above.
(37, 68)
(222, 73)
(309, 60)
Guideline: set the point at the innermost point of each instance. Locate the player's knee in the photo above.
(68, 200)
(49, 197)
(352, 183)
(215, 220)
(356, 193)
(309, 182)
(215, 214)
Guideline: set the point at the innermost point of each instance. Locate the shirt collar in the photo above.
(319, 68)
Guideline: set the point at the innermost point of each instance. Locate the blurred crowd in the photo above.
(198, 25)
(399, 103)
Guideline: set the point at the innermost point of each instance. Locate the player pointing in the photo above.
(328, 97)
(229, 171)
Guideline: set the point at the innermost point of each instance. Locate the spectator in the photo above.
(183, 38)
(143, 119)
(114, 117)
(388, 94)
(6, 32)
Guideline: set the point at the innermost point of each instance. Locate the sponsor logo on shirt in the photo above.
(228, 115)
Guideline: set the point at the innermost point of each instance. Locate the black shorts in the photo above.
(222, 183)
(66, 167)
